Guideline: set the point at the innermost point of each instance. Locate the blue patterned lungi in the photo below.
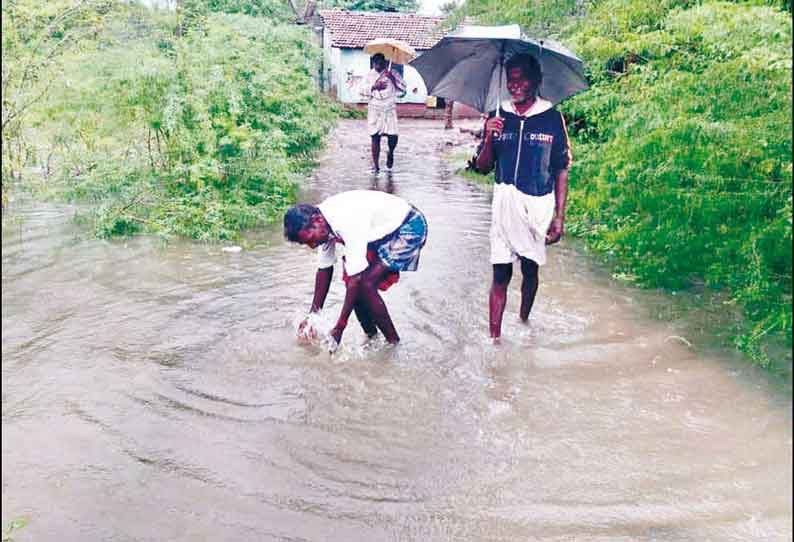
(400, 249)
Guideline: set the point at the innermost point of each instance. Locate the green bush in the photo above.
(373, 5)
(201, 137)
(271, 9)
(687, 172)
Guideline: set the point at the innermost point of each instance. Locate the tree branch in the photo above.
(294, 9)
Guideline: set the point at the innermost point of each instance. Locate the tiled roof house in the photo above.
(354, 29)
(344, 35)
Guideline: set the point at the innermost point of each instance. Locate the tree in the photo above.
(35, 36)
(374, 5)
(301, 16)
(448, 7)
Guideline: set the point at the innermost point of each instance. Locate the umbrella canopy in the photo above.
(468, 66)
(395, 51)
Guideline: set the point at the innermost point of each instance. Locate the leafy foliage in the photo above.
(192, 14)
(271, 9)
(202, 140)
(534, 16)
(35, 38)
(373, 5)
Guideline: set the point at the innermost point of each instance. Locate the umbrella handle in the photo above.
(499, 90)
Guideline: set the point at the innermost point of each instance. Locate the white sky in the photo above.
(430, 7)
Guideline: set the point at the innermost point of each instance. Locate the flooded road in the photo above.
(156, 392)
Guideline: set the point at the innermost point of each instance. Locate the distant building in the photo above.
(344, 35)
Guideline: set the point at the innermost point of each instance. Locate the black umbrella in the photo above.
(468, 66)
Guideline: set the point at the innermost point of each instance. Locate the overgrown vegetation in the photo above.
(193, 13)
(683, 172)
(373, 5)
(196, 129)
(35, 38)
(537, 17)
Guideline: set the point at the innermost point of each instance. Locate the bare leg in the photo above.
(392, 139)
(375, 147)
(374, 302)
(529, 287)
(365, 319)
(448, 109)
(502, 273)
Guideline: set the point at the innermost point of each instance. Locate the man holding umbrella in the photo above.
(528, 145)
(525, 140)
(382, 86)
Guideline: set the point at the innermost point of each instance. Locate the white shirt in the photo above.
(381, 98)
(357, 218)
(537, 108)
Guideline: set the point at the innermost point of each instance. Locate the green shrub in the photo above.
(204, 138)
(687, 173)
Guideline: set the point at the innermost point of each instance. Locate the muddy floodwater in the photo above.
(157, 392)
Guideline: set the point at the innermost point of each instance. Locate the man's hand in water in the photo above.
(336, 335)
(306, 330)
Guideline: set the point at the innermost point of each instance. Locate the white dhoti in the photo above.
(381, 119)
(519, 223)
(382, 107)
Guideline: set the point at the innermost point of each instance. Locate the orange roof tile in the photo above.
(353, 29)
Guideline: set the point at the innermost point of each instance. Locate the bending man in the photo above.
(380, 235)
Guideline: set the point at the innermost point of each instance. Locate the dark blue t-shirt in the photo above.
(531, 151)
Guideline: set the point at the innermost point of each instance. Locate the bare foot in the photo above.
(368, 339)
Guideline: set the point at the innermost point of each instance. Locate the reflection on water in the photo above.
(383, 182)
(158, 393)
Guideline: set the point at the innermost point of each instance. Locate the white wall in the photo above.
(349, 66)
(330, 61)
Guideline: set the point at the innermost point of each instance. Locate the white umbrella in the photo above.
(395, 51)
